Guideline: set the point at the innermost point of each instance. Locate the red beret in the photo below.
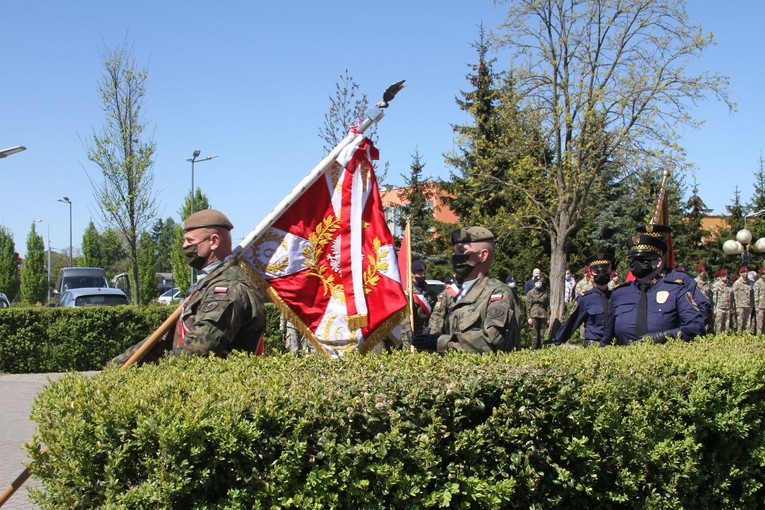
(699, 268)
(721, 272)
(742, 269)
(762, 270)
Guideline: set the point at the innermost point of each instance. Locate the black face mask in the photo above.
(461, 266)
(601, 279)
(641, 268)
(192, 256)
(419, 279)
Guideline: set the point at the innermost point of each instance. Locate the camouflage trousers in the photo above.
(742, 319)
(538, 329)
(722, 321)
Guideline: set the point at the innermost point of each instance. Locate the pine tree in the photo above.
(92, 248)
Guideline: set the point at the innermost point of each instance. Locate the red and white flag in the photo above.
(328, 260)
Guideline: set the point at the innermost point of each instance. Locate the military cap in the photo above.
(471, 235)
(646, 245)
(654, 230)
(600, 260)
(510, 279)
(742, 269)
(721, 272)
(418, 266)
(761, 271)
(700, 268)
(207, 218)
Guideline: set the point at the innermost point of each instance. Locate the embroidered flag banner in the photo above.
(328, 261)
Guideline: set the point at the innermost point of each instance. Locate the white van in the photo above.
(78, 278)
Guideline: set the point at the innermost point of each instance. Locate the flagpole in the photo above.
(308, 181)
(409, 285)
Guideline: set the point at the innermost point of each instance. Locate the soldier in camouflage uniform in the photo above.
(295, 342)
(722, 299)
(478, 313)
(538, 312)
(759, 300)
(585, 283)
(742, 297)
(225, 311)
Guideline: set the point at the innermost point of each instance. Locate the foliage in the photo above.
(10, 279)
(92, 248)
(147, 268)
(34, 281)
(123, 154)
(654, 427)
(42, 339)
(163, 234)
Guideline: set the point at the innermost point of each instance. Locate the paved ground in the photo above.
(17, 392)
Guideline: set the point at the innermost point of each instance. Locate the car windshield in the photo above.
(79, 282)
(99, 300)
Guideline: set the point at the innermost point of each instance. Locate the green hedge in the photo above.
(40, 340)
(645, 427)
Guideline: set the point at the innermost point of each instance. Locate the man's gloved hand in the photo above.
(658, 337)
(425, 342)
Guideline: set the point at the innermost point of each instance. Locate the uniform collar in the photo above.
(208, 269)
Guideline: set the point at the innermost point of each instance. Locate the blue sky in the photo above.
(250, 81)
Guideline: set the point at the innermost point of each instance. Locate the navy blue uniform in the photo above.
(703, 302)
(672, 310)
(590, 308)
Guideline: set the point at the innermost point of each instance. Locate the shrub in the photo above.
(658, 427)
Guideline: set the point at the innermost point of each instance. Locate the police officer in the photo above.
(592, 306)
(225, 310)
(722, 298)
(480, 314)
(663, 232)
(654, 306)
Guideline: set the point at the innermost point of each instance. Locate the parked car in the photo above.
(77, 278)
(4, 301)
(93, 296)
(169, 296)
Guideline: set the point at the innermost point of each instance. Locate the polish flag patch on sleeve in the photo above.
(220, 290)
(496, 297)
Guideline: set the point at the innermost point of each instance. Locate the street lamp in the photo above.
(47, 290)
(743, 242)
(11, 150)
(67, 201)
(193, 159)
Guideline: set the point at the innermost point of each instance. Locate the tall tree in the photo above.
(699, 250)
(10, 280)
(34, 280)
(147, 268)
(181, 270)
(123, 152)
(163, 234)
(92, 248)
(610, 80)
(756, 206)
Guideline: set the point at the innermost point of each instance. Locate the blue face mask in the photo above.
(568, 277)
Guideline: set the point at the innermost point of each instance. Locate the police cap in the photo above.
(471, 235)
(654, 230)
(646, 246)
(600, 261)
(207, 218)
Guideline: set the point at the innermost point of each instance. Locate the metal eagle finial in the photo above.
(390, 93)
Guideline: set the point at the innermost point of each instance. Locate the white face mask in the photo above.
(511, 285)
(538, 285)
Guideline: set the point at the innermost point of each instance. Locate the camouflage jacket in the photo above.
(537, 304)
(225, 312)
(759, 293)
(742, 293)
(486, 319)
(722, 295)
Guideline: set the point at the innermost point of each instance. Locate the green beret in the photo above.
(207, 218)
(471, 235)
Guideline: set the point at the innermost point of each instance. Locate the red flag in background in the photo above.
(328, 261)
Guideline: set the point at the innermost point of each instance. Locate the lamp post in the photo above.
(743, 242)
(47, 289)
(193, 159)
(11, 150)
(67, 201)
